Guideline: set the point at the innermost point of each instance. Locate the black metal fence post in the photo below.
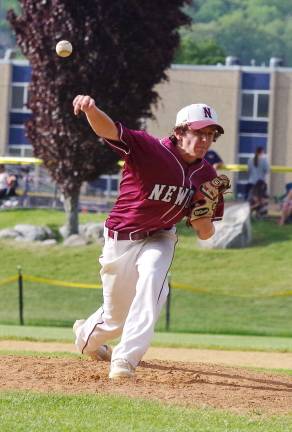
(167, 315)
(20, 295)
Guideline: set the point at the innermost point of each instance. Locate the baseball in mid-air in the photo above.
(64, 48)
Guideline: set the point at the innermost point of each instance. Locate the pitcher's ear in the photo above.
(216, 136)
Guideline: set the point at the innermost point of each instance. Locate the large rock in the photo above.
(75, 240)
(92, 232)
(8, 233)
(33, 233)
(234, 231)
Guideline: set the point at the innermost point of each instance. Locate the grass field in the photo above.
(22, 412)
(239, 291)
(162, 339)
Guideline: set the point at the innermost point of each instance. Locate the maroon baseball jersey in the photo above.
(156, 186)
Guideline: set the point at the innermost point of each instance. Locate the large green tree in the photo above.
(249, 29)
(121, 50)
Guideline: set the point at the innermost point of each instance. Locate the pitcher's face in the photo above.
(194, 144)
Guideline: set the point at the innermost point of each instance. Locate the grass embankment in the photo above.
(236, 291)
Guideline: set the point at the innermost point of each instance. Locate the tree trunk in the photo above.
(71, 206)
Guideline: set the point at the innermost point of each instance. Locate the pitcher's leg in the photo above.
(119, 276)
(152, 288)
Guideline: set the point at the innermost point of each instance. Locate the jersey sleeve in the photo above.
(131, 141)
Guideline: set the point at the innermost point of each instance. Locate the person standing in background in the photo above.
(214, 159)
(258, 169)
(4, 176)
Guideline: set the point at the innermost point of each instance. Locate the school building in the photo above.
(254, 104)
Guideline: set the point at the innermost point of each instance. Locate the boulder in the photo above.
(33, 233)
(75, 240)
(8, 233)
(234, 231)
(92, 232)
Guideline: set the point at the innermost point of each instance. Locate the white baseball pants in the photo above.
(135, 287)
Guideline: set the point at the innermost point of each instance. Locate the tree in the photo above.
(248, 29)
(121, 50)
(199, 52)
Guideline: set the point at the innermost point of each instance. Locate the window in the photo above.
(254, 105)
(263, 105)
(19, 97)
(20, 151)
(247, 105)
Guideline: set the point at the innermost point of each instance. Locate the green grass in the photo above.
(50, 217)
(22, 412)
(236, 291)
(161, 339)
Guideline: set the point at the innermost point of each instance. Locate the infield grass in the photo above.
(236, 291)
(161, 339)
(22, 412)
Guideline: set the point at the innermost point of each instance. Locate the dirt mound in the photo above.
(188, 384)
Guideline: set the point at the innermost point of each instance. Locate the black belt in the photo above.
(140, 235)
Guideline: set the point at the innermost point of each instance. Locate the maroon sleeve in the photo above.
(131, 141)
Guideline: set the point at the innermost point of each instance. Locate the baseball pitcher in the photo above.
(163, 181)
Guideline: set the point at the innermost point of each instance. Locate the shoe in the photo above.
(121, 368)
(102, 353)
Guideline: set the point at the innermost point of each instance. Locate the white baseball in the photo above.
(64, 48)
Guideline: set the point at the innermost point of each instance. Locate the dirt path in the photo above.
(193, 381)
(269, 360)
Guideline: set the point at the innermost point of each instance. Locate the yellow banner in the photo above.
(20, 160)
(185, 287)
(56, 282)
(243, 168)
(8, 280)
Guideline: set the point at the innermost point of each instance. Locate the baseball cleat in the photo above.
(121, 368)
(102, 353)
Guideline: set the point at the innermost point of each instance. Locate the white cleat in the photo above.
(121, 368)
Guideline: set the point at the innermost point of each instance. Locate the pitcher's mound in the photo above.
(188, 384)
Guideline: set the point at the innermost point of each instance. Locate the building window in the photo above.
(19, 97)
(20, 151)
(254, 105)
(263, 105)
(247, 105)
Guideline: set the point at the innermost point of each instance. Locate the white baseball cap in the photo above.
(198, 116)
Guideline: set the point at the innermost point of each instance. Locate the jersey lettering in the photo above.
(157, 191)
(181, 195)
(174, 194)
(167, 197)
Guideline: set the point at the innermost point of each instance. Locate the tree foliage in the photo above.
(116, 59)
(206, 52)
(121, 50)
(248, 29)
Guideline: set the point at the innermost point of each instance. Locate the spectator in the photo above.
(3, 182)
(258, 168)
(286, 208)
(259, 199)
(214, 159)
(26, 181)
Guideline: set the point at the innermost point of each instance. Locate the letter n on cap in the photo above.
(207, 112)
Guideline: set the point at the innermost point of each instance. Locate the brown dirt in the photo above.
(188, 383)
